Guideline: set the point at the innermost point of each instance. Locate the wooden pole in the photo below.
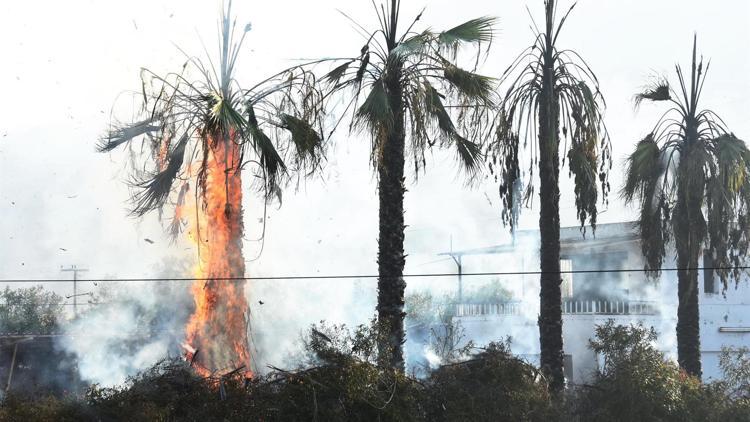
(12, 365)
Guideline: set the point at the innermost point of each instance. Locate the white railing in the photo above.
(478, 309)
(610, 307)
(569, 307)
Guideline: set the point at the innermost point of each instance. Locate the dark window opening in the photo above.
(568, 367)
(709, 286)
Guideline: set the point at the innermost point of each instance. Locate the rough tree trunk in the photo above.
(217, 329)
(688, 236)
(550, 299)
(391, 257)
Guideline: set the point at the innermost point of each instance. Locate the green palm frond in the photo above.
(375, 112)
(644, 168)
(415, 44)
(479, 30)
(434, 107)
(389, 77)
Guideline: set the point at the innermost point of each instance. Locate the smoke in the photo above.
(432, 358)
(128, 328)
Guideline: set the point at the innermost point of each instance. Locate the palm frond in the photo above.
(306, 140)
(435, 111)
(154, 192)
(123, 134)
(478, 30)
(411, 45)
(582, 163)
(657, 91)
(363, 62)
(505, 156)
(335, 75)
(733, 164)
(271, 163)
(644, 167)
(375, 112)
(653, 229)
(472, 86)
(469, 155)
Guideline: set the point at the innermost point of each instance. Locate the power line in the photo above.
(371, 276)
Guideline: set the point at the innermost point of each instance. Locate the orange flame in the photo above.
(217, 330)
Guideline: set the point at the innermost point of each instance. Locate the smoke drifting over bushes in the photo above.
(130, 328)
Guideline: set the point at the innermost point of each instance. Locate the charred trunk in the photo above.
(550, 300)
(391, 259)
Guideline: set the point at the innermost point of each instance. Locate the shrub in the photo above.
(493, 385)
(637, 383)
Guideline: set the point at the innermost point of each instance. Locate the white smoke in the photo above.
(127, 329)
(432, 358)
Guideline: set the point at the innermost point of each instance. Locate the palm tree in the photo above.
(550, 88)
(202, 134)
(689, 176)
(408, 94)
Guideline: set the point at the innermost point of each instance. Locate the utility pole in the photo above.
(459, 266)
(75, 270)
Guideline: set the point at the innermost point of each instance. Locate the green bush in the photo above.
(637, 383)
(491, 386)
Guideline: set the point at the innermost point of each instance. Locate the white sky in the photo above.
(65, 63)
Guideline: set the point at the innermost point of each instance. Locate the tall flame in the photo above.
(217, 330)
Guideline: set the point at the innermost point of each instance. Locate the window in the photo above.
(566, 288)
(568, 367)
(709, 286)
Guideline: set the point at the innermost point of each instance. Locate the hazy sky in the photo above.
(66, 64)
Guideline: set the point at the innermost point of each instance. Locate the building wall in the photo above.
(721, 312)
(615, 246)
(717, 312)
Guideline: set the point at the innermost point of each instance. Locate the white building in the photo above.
(622, 292)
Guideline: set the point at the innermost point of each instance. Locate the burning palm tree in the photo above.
(691, 179)
(406, 92)
(552, 89)
(202, 134)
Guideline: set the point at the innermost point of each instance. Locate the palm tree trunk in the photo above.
(550, 299)
(687, 242)
(391, 257)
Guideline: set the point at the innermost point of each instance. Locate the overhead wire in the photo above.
(360, 276)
